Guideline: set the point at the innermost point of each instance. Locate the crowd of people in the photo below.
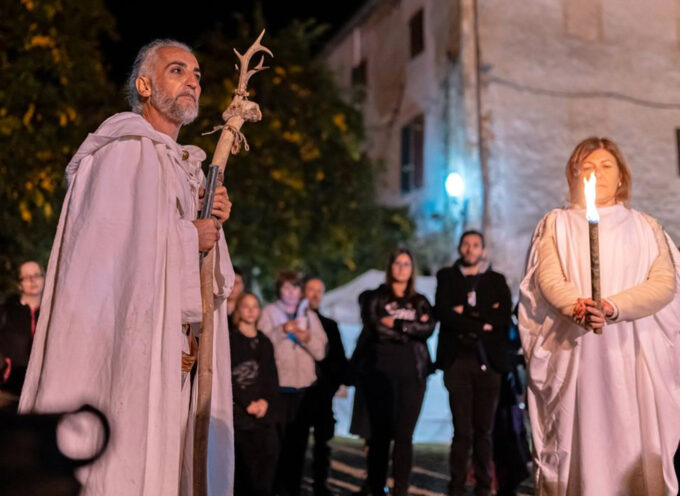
(288, 361)
(122, 305)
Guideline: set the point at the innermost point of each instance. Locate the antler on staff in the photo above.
(239, 111)
(244, 62)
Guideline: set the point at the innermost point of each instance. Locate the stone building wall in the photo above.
(400, 87)
(564, 70)
(550, 73)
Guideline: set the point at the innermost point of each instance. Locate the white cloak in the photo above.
(122, 278)
(604, 409)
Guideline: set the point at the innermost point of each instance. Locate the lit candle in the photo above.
(593, 235)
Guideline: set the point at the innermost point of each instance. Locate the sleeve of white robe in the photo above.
(191, 278)
(556, 289)
(653, 294)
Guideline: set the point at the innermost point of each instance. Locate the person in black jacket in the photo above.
(255, 385)
(398, 322)
(18, 319)
(331, 373)
(473, 304)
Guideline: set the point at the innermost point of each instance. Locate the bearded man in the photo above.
(123, 291)
(473, 304)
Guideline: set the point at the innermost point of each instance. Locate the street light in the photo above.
(455, 185)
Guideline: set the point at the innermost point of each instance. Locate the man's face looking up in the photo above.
(175, 84)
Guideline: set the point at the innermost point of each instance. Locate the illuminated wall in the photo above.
(548, 75)
(564, 70)
(401, 87)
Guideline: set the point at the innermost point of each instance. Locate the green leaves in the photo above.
(304, 195)
(53, 92)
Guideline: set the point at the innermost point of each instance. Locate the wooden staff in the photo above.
(239, 111)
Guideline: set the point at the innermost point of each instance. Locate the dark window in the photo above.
(412, 143)
(416, 32)
(359, 74)
(677, 142)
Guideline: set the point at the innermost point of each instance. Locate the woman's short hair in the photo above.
(236, 314)
(581, 152)
(285, 276)
(389, 279)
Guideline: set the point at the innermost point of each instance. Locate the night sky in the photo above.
(140, 21)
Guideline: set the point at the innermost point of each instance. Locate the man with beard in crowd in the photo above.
(331, 372)
(122, 293)
(473, 304)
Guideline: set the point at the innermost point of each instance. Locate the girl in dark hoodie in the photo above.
(255, 385)
(398, 322)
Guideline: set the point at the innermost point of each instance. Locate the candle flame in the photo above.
(589, 191)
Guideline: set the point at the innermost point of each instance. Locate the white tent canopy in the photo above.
(341, 304)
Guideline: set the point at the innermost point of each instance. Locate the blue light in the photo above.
(455, 185)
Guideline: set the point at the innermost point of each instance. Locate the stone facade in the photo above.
(506, 90)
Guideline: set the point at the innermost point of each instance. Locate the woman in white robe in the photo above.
(604, 409)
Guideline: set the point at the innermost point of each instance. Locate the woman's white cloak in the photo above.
(604, 409)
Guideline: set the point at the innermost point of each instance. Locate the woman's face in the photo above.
(402, 267)
(606, 170)
(290, 294)
(249, 309)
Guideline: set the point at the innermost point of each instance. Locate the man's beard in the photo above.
(170, 108)
(465, 263)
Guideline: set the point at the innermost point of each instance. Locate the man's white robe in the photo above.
(123, 277)
(605, 409)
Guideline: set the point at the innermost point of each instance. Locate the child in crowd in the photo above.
(255, 384)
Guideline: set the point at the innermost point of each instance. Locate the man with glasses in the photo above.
(18, 318)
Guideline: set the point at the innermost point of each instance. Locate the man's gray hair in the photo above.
(143, 66)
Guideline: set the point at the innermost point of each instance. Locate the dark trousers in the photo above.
(256, 452)
(473, 396)
(293, 427)
(323, 423)
(394, 402)
(511, 451)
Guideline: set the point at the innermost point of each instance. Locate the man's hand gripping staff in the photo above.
(231, 138)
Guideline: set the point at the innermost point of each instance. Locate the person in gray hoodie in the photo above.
(299, 342)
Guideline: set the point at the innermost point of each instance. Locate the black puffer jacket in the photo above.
(409, 330)
(16, 340)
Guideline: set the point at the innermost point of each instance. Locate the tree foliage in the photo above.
(53, 90)
(304, 194)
